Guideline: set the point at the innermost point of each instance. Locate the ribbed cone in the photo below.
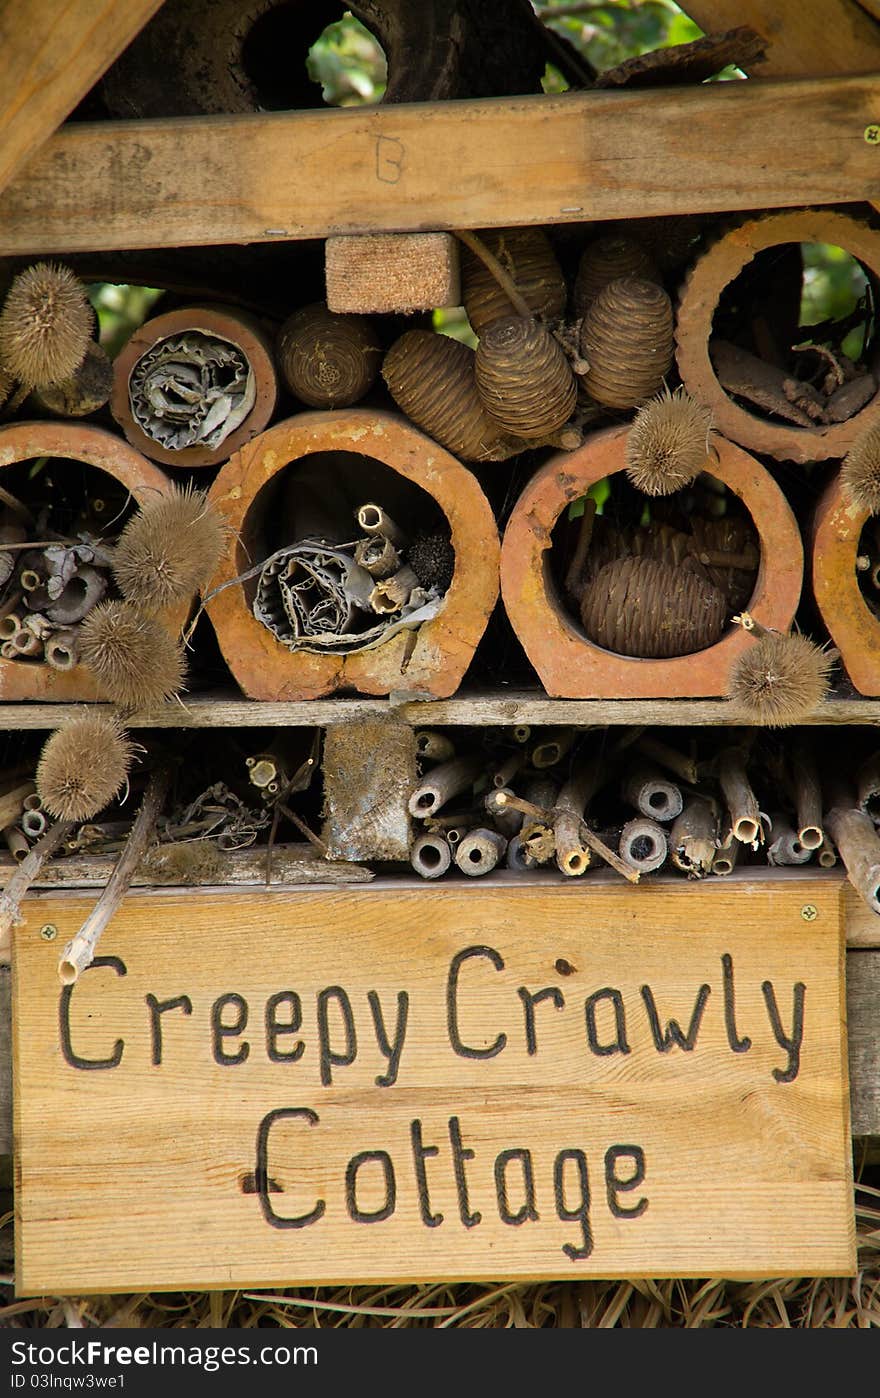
(431, 377)
(607, 259)
(529, 260)
(524, 379)
(652, 610)
(626, 339)
(328, 360)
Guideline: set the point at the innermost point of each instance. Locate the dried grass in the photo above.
(797, 1303)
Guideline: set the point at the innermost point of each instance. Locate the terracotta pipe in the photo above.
(855, 630)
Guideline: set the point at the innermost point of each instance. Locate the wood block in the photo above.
(862, 1005)
(387, 272)
(369, 774)
(399, 1084)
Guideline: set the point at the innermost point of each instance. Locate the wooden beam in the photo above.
(51, 53)
(494, 162)
(863, 1022)
(804, 40)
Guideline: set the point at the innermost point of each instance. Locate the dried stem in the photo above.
(506, 282)
(23, 876)
(79, 953)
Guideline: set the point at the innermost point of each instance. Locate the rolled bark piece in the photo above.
(430, 856)
(192, 386)
(434, 747)
(16, 843)
(83, 592)
(80, 951)
(444, 782)
(692, 839)
(651, 793)
(643, 845)
(868, 787)
(552, 747)
(569, 664)
(714, 271)
(479, 852)
(373, 520)
(807, 792)
(573, 857)
(428, 657)
(685, 768)
(727, 855)
(742, 805)
(23, 876)
(784, 845)
(859, 847)
(328, 360)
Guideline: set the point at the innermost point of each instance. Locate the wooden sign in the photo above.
(415, 1084)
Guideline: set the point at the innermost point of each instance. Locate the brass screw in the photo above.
(48, 932)
(872, 134)
(809, 912)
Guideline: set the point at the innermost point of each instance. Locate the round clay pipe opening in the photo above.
(569, 665)
(854, 628)
(715, 270)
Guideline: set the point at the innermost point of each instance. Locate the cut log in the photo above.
(369, 773)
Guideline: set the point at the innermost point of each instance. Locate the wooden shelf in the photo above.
(463, 710)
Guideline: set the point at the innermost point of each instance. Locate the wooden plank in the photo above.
(150, 1174)
(5, 1061)
(240, 868)
(863, 1017)
(805, 40)
(369, 772)
(504, 707)
(384, 273)
(501, 161)
(862, 923)
(50, 56)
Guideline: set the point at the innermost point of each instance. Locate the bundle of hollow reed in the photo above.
(328, 360)
(527, 257)
(642, 607)
(606, 259)
(523, 378)
(627, 341)
(432, 378)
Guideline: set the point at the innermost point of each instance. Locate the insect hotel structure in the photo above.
(439, 646)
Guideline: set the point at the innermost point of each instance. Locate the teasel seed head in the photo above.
(45, 325)
(83, 766)
(860, 472)
(780, 679)
(668, 443)
(136, 661)
(169, 550)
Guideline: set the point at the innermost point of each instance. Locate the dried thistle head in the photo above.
(83, 766)
(45, 325)
(668, 443)
(136, 661)
(780, 679)
(860, 472)
(7, 384)
(169, 549)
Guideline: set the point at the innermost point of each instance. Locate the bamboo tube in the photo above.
(807, 793)
(827, 855)
(444, 782)
(8, 651)
(692, 838)
(685, 768)
(504, 775)
(390, 594)
(572, 855)
(430, 856)
(456, 833)
(27, 644)
(479, 852)
(859, 846)
(868, 786)
(646, 788)
(79, 953)
(12, 803)
(785, 847)
(377, 555)
(590, 839)
(643, 845)
(34, 802)
(34, 824)
(433, 823)
(521, 733)
(434, 747)
(61, 650)
(552, 747)
(745, 818)
(726, 857)
(23, 876)
(373, 520)
(16, 842)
